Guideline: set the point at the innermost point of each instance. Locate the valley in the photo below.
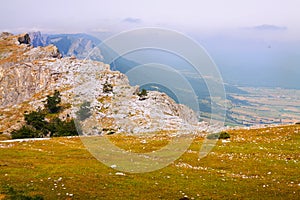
(264, 106)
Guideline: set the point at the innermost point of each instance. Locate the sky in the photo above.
(190, 16)
(242, 36)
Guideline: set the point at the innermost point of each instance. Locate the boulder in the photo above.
(24, 39)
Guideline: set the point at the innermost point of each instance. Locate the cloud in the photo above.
(132, 20)
(267, 27)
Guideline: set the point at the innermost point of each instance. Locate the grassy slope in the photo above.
(256, 164)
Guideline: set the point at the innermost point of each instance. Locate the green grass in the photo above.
(255, 164)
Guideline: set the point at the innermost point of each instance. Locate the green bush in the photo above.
(26, 132)
(53, 101)
(221, 135)
(224, 135)
(142, 94)
(37, 126)
(36, 119)
(59, 128)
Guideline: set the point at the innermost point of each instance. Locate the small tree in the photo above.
(60, 128)
(142, 94)
(36, 119)
(53, 101)
(26, 132)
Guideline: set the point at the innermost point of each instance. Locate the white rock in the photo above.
(119, 174)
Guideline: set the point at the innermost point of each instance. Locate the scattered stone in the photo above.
(143, 142)
(119, 174)
(113, 166)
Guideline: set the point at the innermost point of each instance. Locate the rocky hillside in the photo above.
(28, 74)
(81, 45)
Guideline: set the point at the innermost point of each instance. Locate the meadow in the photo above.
(253, 164)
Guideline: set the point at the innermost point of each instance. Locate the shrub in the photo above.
(26, 132)
(224, 135)
(37, 126)
(107, 87)
(59, 128)
(221, 135)
(36, 119)
(142, 94)
(53, 101)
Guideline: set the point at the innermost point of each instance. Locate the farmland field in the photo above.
(264, 106)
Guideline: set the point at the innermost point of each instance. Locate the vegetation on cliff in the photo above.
(45, 123)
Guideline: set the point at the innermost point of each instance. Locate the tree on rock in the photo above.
(143, 94)
(36, 119)
(53, 101)
(26, 132)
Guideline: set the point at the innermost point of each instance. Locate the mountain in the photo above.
(28, 74)
(81, 46)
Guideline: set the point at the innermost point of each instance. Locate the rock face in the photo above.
(28, 74)
(82, 46)
(37, 39)
(77, 45)
(25, 71)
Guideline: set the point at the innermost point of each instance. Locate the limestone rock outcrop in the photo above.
(28, 75)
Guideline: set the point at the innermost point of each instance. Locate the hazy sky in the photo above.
(243, 37)
(115, 15)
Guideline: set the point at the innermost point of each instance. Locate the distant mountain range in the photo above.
(80, 45)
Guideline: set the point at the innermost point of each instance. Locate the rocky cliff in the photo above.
(29, 74)
(78, 45)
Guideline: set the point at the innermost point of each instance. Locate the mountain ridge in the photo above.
(28, 74)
